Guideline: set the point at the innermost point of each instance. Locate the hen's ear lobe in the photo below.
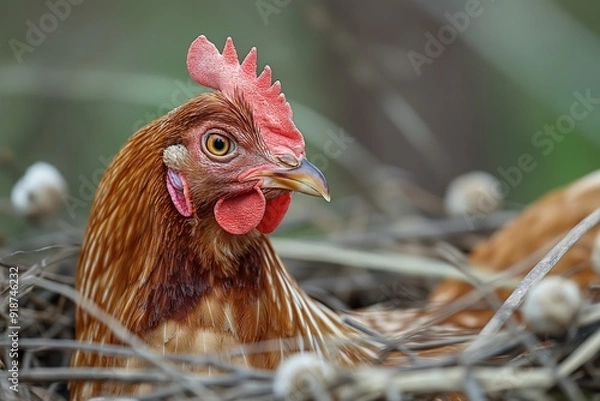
(180, 193)
(174, 158)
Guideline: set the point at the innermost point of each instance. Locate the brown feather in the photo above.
(524, 241)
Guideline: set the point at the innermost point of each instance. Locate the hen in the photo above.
(524, 241)
(176, 247)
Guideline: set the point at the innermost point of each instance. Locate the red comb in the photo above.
(272, 113)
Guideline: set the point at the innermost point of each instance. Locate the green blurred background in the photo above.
(103, 69)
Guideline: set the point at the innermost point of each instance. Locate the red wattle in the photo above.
(274, 213)
(242, 213)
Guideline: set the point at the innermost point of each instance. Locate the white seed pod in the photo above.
(595, 257)
(552, 306)
(303, 374)
(476, 193)
(40, 192)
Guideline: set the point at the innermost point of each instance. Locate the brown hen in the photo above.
(175, 249)
(524, 241)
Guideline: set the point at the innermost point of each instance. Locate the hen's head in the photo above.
(240, 154)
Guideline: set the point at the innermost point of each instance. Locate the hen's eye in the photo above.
(218, 145)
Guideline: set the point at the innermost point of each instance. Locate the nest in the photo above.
(504, 361)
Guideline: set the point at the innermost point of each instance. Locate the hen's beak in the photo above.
(305, 178)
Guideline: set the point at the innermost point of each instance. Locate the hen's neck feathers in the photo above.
(145, 264)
